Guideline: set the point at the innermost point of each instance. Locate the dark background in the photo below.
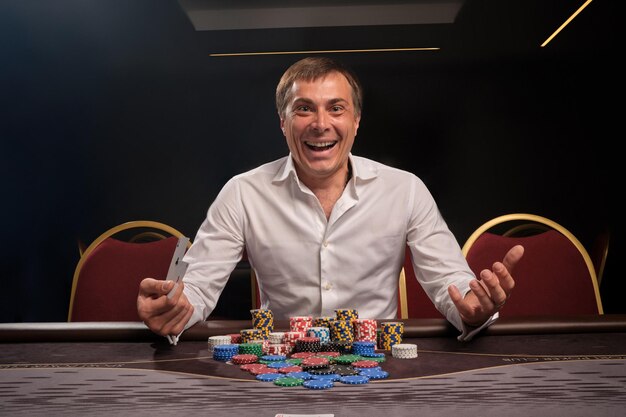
(113, 110)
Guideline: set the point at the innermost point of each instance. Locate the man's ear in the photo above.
(282, 124)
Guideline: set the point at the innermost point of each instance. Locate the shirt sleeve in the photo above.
(437, 258)
(215, 252)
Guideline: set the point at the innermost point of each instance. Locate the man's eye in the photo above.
(336, 109)
(303, 108)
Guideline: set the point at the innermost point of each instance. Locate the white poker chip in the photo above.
(404, 351)
(218, 340)
(276, 337)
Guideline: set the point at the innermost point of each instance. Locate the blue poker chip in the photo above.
(330, 377)
(269, 377)
(375, 373)
(374, 355)
(363, 343)
(355, 379)
(273, 358)
(318, 384)
(302, 375)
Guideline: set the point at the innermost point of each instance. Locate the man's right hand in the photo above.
(164, 316)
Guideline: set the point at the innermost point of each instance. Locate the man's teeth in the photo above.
(320, 144)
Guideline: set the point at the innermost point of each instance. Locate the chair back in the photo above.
(555, 276)
(106, 279)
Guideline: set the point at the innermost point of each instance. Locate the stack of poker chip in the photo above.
(235, 338)
(289, 338)
(250, 334)
(363, 348)
(308, 344)
(390, 334)
(263, 319)
(341, 332)
(218, 340)
(300, 323)
(323, 333)
(365, 329)
(323, 321)
(367, 349)
(225, 353)
(348, 314)
(404, 351)
(278, 349)
(277, 337)
(251, 349)
(265, 344)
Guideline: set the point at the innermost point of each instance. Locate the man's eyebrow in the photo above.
(338, 100)
(331, 101)
(302, 100)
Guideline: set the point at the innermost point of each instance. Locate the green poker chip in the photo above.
(289, 382)
(347, 359)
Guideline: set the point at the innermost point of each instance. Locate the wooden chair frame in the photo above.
(545, 221)
(109, 233)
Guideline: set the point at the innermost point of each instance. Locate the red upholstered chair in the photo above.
(555, 276)
(412, 299)
(107, 276)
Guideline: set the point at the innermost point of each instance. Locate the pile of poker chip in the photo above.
(316, 353)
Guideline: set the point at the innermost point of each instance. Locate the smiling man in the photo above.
(325, 229)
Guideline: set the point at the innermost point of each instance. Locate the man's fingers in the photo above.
(455, 294)
(497, 283)
(150, 287)
(512, 257)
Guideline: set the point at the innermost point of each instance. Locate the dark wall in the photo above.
(113, 111)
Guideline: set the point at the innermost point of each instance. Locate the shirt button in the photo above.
(325, 243)
(328, 286)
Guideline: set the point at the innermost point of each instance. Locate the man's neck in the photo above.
(329, 189)
(337, 180)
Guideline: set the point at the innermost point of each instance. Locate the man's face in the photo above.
(319, 125)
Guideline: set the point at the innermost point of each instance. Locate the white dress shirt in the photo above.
(309, 265)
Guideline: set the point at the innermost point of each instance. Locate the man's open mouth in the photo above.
(320, 146)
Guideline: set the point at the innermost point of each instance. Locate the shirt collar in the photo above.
(360, 171)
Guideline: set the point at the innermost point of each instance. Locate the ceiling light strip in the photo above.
(329, 51)
(580, 9)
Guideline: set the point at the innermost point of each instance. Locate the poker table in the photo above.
(534, 366)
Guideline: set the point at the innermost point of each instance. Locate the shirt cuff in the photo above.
(195, 317)
(470, 331)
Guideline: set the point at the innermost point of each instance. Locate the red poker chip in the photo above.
(365, 364)
(251, 366)
(316, 361)
(244, 358)
(287, 369)
(309, 339)
(266, 370)
(333, 354)
(302, 355)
